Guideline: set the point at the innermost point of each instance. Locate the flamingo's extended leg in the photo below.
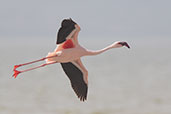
(38, 66)
(16, 66)
(42, 59)
(16, 72)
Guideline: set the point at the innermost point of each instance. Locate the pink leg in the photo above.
(16, 66)
(16, 72)
(38, 66)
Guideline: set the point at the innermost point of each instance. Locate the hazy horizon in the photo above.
(97, 18)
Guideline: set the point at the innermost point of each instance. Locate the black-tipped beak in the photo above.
(124, 44)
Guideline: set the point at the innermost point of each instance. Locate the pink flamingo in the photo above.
(68, 52)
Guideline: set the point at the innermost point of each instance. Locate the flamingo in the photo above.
(68, 53)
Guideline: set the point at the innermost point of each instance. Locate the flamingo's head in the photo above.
(124, 44)
(119, 44)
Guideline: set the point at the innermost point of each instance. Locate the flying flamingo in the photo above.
(68, 53)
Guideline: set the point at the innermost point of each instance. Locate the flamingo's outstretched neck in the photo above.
(114, 45)
(90, 52)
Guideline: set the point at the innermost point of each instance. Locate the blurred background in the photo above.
(121, 81)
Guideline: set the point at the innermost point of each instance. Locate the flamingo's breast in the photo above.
(68, 44)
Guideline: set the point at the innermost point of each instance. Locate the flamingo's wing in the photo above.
(63, 35)
(77, 80)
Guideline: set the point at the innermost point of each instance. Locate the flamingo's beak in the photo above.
(124, 44)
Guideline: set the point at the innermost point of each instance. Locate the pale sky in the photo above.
(97, 18)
